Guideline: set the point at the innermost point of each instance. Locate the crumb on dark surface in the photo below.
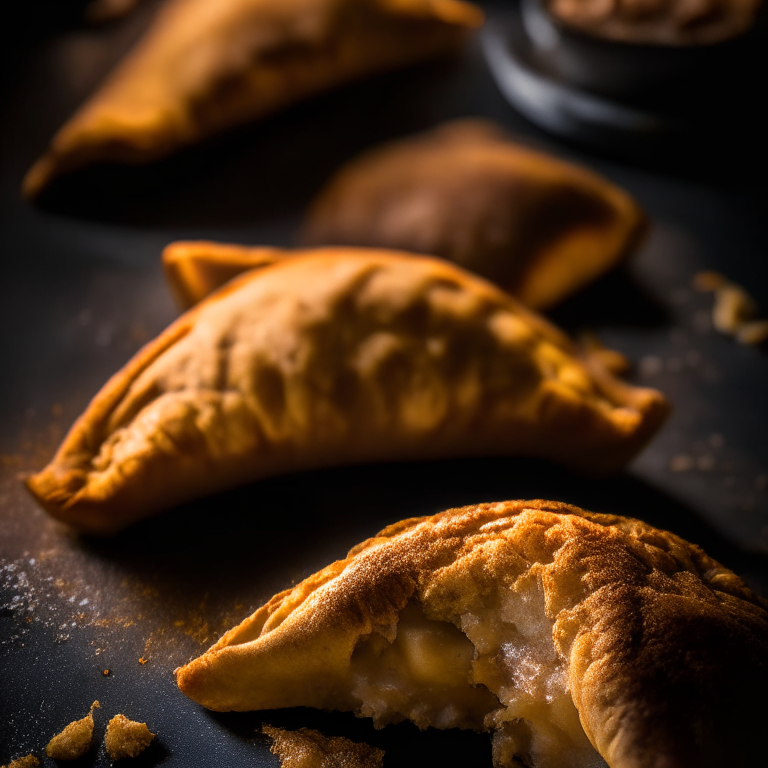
(126, 738)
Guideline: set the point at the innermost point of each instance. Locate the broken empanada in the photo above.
(578, 639)
(205, 66)
(338, 356)
(540, 227)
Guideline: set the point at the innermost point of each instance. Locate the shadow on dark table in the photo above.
(315, 517)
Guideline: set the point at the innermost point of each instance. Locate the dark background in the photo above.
(81, 289)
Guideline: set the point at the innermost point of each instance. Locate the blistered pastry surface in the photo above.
(651, 632)
(339, 356)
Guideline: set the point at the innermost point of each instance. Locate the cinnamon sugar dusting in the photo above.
(306, 748)
(122, 597)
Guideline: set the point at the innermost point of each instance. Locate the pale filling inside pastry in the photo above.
(499, 672)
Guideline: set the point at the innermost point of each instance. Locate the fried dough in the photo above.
(204, 67)
(540, 227)
(334, 357)
(578, 639)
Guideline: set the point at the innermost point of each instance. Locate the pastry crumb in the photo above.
(706, 282)
(126, 738)
(30, 761)
(734, 312)
(75, 740)
(733, 308)
(753, 333)
(681, 463)
(307, 748)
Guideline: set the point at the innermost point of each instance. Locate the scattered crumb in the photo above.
(106, 673)
(692, 358)
(650, 365)
(705, 463)
(716, 440)
(126, 738)
(674, 365)
(733, 307)
(753, 333)
(30, 761)
(143, 661)
(306, 748)
(706, 282)
(75, 740)
(734, 312)
(681, 463)
(702, 321)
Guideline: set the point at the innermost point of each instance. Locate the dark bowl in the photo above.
(627, 69)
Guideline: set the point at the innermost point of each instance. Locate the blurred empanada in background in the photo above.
(208, 65)
(572, 636)
(333, 357)
(540, 227)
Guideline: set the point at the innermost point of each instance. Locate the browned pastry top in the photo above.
(662, 650)
(205, 66)
(333, 357)
(661, 22)
(540, 227)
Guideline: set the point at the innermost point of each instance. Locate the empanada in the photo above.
(540, 227)
(334, 357)
(206, 66)
(573, 636)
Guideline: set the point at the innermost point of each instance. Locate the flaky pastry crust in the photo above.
(206, 66)
(332, 357)
(663, 651)
(540, 227)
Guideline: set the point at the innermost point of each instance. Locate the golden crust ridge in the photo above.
(654, 632)
(330, 357)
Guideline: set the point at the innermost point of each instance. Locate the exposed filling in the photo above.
(499, 672)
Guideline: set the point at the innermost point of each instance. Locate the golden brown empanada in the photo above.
(572, 636)
(206, 66)
(539, 227)
(334, 357)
